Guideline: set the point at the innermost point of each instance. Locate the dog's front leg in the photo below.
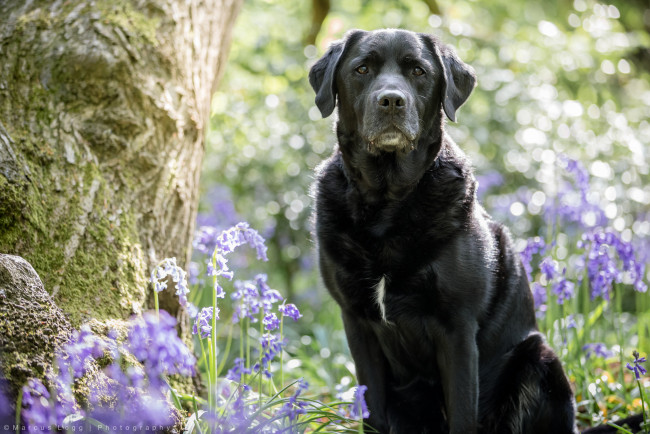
(458, 364)
(371, 368)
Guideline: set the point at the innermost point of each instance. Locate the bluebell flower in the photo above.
(222, 213)
(290, 310)
(205, 238)
(247, 301)
(564, 289)
(359, 409)
(271, 347)
(80, 352)
(140, 410)
(573, 204)
(7, 412)
(192, 310)
(222, 269)
(597, 349)
(636, 367)
(237, 416)
(228, 240)
(271, 321)
(486, 181)
(571, 322)
(194, 274)
(203, 322)
(156, 344)
(42, 411)
(603, 268)
(539, 297)
(139, 393)
(168, 268)
(238, 370)
(293, 407)
(268, 296)
(533, 246)
(548, 267)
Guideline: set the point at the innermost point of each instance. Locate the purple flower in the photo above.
(487, 181)
(194, 273)
(533, 246)
(548, 267)
(603, 268)
(156, 344)
(82, 349)
(271, 346)
(268, 296)
(247, 301)
(7, 412)
(573, 204)
(271, 321)
(358, 408)
(290, 310)
(40, 410)
(222, 214)
(539, 297)
(203, 323)
(237, 415)
(205, 238)
(222, 268)
(597, 349)
(292, 408)
(192, 310)
(140, 410)
(168, 268)
(238, 235)
(637, 368)
(564, 289)
(235, 373)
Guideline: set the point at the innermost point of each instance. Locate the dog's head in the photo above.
(391, 86)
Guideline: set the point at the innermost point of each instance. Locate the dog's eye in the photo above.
(363, 69)
(418, 71)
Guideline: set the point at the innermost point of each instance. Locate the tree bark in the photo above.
(103, 107)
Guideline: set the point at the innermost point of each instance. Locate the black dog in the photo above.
(437, 309)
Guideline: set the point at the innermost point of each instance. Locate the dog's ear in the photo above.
(322, 78)
(459, 78)
(322, 75)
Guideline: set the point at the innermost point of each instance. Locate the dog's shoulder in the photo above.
(331, 184)
(449, 185)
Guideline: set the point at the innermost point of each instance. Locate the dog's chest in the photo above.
(385, 281)
(383, 267)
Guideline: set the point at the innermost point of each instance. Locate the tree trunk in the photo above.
(103, 107)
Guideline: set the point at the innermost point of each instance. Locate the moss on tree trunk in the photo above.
(102, 111)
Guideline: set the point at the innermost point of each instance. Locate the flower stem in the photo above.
(248, 345)
(645, 426)
(281, 353)
(617, 308)
(19, 406)
(213, 336)
(207, 367)
(155, 304)
(261, 352)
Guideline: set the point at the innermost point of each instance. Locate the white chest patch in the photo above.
(380, 294)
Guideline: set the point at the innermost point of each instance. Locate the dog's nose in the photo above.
(391, 100)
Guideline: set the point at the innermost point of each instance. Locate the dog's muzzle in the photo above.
(390, 122)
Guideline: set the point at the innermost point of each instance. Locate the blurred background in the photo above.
(556, 80)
